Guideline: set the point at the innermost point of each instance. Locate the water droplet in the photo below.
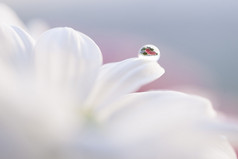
(149, 52)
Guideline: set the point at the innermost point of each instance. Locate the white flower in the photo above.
(8, 16)
(57, 101)
(35, 27)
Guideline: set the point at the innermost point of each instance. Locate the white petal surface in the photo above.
(67, 60)
(15, 47)
(8, 16)
(165, 125)
(162, 108)
(35, 121)
(120, 78)
(169, 101)
(228, 128)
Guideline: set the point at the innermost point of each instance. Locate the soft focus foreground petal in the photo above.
(8, 16)
(38, 124)
(33, 123)
(120, 78)
(15, 47)
(179, 144)
(67, 60)
(228, 128)
(165, 125)
(177, 104)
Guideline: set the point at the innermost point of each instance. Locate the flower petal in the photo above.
(165, 125)
(8, 16)
(120, 78)
(15, 47)
(155, 111)
(36, 123)
(67, 59)
(172, 102)
(227, 127)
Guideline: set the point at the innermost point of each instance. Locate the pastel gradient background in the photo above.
(198, 40)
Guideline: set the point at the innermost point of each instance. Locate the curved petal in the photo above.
(36, 122)
(15, 47)
(175, 103)
(67, 59)
(173, 145)
(8, 16)
(120, 78)
(156, 111)
(179, 144)
(227, 127)
(165, 125)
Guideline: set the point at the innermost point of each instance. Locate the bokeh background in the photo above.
(197, 39)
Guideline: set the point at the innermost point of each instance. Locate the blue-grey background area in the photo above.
(204, 32)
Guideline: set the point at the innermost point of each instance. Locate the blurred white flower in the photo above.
(8, 16)
(57, 101)
(35, 27)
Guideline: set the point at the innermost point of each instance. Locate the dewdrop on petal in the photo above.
(149, 52)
